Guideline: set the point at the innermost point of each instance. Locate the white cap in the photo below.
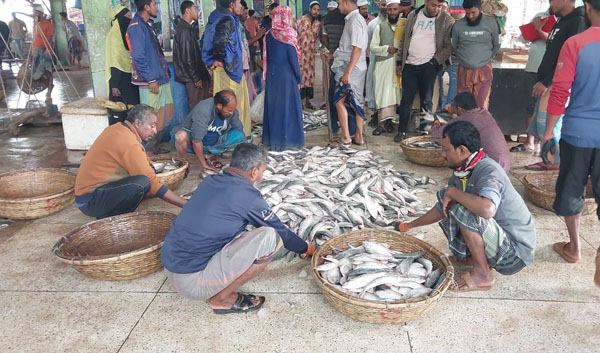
(38, 7)
(389, 2)
(362, 3)
(332, 4)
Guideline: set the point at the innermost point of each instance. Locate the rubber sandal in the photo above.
(470, 285)
(541, 166)
(243, 304)
(214, 163)
(378, 130)
(559, 248)
(356, 143)
(520, 148)
(389, 126)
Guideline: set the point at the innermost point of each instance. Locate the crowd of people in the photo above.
(208, 254)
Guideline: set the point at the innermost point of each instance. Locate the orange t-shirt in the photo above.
(45, 27)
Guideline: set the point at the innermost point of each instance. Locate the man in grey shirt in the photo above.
(475, 39)
(350, 68)
(213, 127)
(484, 218)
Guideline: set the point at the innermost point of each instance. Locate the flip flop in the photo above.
(470, 285)
(215, 163)
(378, 130)
(597, 274)
(541, 166)
(353, 141)
(559, 248)
(243, 304)
(521, 148)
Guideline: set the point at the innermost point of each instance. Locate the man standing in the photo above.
(253, 31)
(213, 127)
(18, 31)
(476, 41)
(187, 59)
(308, 28)
(43, 37)
(149, 67)
(424, 48)
(363, 9)
(116, 174)
(222, 52)
(384, 46)
(571, 22)
(208, 254)
(370, 86)
(74, 39)
(484, 218)
(350, 68)
(577, 76)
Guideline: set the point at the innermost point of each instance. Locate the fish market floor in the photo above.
(46, 306)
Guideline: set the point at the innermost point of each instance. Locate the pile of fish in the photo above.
(322, 192)
(314, 120)
(373, 271)
(162, 167)
(426, 144)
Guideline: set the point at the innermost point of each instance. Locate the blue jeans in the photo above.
(226, 142)
(19, 47)
(452, 71)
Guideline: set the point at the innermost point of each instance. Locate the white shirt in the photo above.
(422, 43)
(354, 35)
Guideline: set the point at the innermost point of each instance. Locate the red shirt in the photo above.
(252, 27)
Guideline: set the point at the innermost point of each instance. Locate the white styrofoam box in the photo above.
(83, 121)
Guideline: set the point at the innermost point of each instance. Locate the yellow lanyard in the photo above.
(464, 183)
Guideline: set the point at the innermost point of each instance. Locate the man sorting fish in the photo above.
(115, 174)
(213, 127)
(208, 254)
(486, 221)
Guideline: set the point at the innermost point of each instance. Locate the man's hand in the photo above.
(327, 56)
(115, 92)
(448, 201)
(392, 50)
(215, 64)
(153, 87)
(538, 23)
(398, 70)
(206, 167)
(198, 84)
(402, 227)
(261, 32)
(310, 250)
(346, 78)
(538, 90)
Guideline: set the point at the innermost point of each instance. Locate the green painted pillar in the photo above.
(97, 24)
(62, 44)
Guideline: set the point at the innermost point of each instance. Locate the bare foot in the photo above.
(473, 281)
(218, 303)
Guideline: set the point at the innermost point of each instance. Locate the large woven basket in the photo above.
(116, 248)
(173, 178)
(426, 156)
(374, 311)
(539, 188)
(35, 193)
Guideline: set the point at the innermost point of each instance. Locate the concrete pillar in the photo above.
(165, 19)
(62, 44)
(97, 24)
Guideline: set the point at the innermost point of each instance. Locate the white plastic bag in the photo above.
(258, 108)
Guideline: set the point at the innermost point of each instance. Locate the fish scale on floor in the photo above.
(322, 192)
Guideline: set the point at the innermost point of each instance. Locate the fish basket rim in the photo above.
(419, 302)
(171, 172)
(98, 259)
(44, 197)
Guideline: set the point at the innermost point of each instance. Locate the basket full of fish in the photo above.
(170, 171)
(381, 276)
(323, 192)
(424, 150)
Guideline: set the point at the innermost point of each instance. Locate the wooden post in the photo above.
(326, 78)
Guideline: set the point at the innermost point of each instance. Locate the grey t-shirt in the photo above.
(475, 46)
(354, 35)
(201, 118)
(489, 180)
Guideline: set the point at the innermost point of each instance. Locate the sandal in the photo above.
(521, 148)
(559, 248)
(389, 126)
(339, 143)
(541, 166)
(215, 163)
(356, 143)
(469, 285)
(243, 304)
(378, 130)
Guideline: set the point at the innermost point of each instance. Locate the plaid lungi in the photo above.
(499, 249)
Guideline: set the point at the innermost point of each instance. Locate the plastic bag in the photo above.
(258, 108)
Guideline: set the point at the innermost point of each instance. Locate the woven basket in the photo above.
(116, 248)
(539, 188)
(374, 311)
(426, 156)
(173, 178)
(35, 193)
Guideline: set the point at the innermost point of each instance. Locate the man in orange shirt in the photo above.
(253, 29)
(43, 37)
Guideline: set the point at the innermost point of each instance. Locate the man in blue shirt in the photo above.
(211, 128)
(208, 254)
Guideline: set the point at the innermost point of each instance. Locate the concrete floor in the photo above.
(46, 306)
